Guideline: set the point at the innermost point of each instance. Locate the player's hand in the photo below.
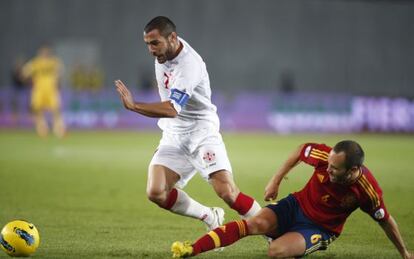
(271, 191)
(125, 94)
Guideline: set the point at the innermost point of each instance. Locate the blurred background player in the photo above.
(18, 87)
(191, 140)
(309, 220)
(45, 70)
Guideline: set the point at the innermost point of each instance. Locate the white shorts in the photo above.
(203, 151)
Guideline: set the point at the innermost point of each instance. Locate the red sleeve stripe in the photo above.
(370, 191)
(320, 152)
(319, 157)
(369, 185)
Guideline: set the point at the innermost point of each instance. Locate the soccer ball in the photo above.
(19, 238)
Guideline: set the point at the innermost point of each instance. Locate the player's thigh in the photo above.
(315, 238)
(53, 101)
(161, 179)
(173, 166)
(211, 157)
(36, 100)
(290, 244)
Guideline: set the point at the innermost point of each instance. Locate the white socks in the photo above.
(186, 206)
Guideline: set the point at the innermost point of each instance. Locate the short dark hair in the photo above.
(354, 155)
(163, 24)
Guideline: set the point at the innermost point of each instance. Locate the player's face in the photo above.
(336, 168)
(159, 46)
(44, 52)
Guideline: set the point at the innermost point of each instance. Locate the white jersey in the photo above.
(185, 82)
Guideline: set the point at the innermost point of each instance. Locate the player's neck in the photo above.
(355, 176)
(178, 50)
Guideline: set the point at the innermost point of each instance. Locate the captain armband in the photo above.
(179, 98)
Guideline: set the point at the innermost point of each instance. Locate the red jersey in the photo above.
(328, 204)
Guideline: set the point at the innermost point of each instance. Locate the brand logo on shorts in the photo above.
(315, 238)
(379, 214)
(320, 177)
(209, 157)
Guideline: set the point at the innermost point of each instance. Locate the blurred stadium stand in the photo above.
(282, 64)
(299, 112)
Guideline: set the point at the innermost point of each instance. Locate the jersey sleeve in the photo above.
(186, 79)
(315, 154)
(372, 202)
(27, 70)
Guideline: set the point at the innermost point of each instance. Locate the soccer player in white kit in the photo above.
(191, 140)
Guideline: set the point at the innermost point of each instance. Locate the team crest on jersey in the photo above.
(325, 198)
(349, 201)
(209, 156)
(167, 80)
(379, 214)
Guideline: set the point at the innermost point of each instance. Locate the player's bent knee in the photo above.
(257, 226)
(157, 196)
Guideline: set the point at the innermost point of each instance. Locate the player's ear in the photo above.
(172, 36)
(353, 169)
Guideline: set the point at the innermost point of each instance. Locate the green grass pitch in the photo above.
(86, 193)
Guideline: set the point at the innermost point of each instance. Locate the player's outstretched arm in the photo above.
(272, 188)
(27, 71)
(390, 227)
(154, 110)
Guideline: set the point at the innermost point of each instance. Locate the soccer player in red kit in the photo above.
(309, 220)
